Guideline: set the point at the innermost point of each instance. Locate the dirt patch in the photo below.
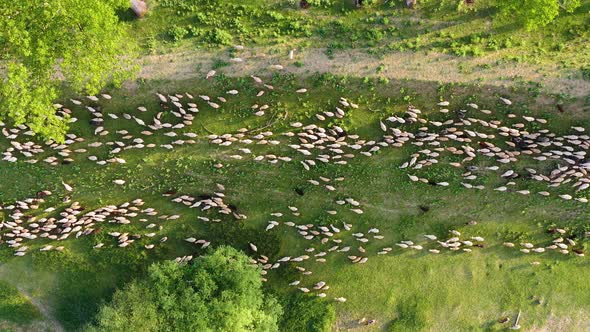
(578, 322)
(396, 65)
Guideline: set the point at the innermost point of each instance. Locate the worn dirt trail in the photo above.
(398, 65)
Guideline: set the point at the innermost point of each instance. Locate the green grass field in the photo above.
(449, 291)
(405, 290)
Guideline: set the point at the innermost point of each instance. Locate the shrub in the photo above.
(304, 313)
(322, 3)
(217, 292)
(534, 14)
(177, 33)
(383, 80)
(370, 2)
(220, 37)
(374, 34)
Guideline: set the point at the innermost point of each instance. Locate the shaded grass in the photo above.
(15, 307)
(471, 31)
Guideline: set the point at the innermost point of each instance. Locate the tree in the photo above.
(45, 42)
(218, 292)
(535, 13)
(307, 313)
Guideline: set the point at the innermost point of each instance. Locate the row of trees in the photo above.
(221, 291)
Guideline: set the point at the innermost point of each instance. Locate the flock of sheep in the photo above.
(463, 139)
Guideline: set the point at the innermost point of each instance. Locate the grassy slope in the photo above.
(474, 289)
(15, 308)
(384, 28)
(452, 292)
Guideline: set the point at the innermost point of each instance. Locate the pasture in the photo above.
(403, 290)
(419, 169)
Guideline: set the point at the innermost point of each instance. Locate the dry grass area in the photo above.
(578, 321)
(396, 65)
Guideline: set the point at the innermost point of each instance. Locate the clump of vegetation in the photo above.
(217, 23)
(304, 313)
(177, 33)
(15, 307)
(84, 40)
(220, 37)
(219, 63)
(536, 13)
(221, 291)
(321, 3)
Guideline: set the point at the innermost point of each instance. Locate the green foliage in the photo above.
(80, 41)
(177, 33)
(129, 309)
(534, 14)
(15, 307)
(322, 3)
(370, 2)
(220, 37)
(304, 313)
(220, 22)
(25, 100)
(219, 292)
(466, 50)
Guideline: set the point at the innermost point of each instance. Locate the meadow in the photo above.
(407, 290)
(404, 290)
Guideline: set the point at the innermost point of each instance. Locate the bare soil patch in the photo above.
(396, 65)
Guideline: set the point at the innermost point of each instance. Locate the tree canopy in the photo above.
(46, 42)
(534, 14)
(308, 313)
(218, 292)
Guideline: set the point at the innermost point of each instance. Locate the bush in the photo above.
(534, 14)
(217, 292)
(220, 37)
(466, 50)
(321, 3)
(383, 80)
(307, 313)
(370, 2)
(177, 33)
(585, 72)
